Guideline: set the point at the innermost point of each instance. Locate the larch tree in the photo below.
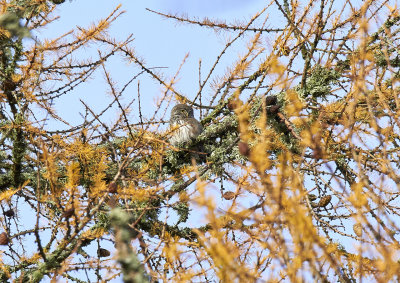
(301, 137)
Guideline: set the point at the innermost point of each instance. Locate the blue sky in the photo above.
(158, 41)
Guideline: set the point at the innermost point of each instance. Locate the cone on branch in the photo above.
(228, 195)
(68, 213)
(103, 252)
(271, 100)
(112, 188)
(9, 213)
(324, 201)
(312, 197)
(4, 240)
(244, 148)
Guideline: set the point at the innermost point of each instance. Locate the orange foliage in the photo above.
(294, 177)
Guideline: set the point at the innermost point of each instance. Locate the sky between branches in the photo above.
(158, 41)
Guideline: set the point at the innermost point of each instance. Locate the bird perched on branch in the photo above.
(184, 126)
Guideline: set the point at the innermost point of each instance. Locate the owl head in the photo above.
(181, 111)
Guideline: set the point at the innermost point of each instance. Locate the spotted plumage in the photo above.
(184, 126)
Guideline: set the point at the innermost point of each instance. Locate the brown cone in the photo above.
(9, 213)
(103, 252)
(112, 188)
(244, 148)
(228, 195)
(4, 240)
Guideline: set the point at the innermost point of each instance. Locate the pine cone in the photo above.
(244, 148)
(271, 100)
(324, 201)
(9, 213)
(112, 188)
(4, 240)
(68, 213)
(228, 195)
(103, 252)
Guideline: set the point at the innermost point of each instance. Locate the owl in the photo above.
(183, 125)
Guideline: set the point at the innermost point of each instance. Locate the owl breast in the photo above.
(185, 130)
